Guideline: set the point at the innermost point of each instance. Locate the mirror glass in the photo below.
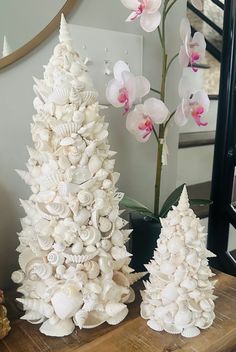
(22, 20)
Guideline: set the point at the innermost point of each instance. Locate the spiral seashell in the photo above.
(90, 236)
(37, 305)
(117, 238)
(85, 197)
(55, 258)
(82, 216)
(60, 271)
(105, 225)
(92, 269)
(105, 264)
(89, 97)
(33, 317)
(134, 277)
(26, 177)
(40, 270)
(119, 252)
(94, 164)
(58, 209)
(106, 245)
(66, 129)
(121, 279)
(45, 242)
(80, 318)
(18, 276)
(77, 247)
(79, 259)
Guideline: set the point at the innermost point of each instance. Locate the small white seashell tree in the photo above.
(74, 266)
(178, 298)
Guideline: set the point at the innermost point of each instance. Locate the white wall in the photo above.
(136, 162)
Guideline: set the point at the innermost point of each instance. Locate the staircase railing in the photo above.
(211, 47)
(222, 211)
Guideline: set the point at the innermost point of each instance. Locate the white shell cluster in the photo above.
(178, 298)
(74, 266)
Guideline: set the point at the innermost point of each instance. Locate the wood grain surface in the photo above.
(132, 335)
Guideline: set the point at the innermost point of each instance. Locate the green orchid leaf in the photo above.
(171, 200)
(200, 202)
(137, 207)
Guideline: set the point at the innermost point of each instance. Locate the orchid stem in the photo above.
(171, 61)
(169, 8)
(171, 115)
(155, 134)
(155, 91)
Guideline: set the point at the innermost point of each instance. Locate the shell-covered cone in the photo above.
(179, 295)
(74, 265)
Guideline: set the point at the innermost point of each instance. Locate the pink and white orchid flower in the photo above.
(195, 104)
(198, 4)
(140, 122)
(193, 49)
(147, 10)
(125, 88)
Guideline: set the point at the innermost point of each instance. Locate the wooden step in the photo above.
(200, 191)
(196, 139)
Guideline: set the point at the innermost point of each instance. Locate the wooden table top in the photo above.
(132, 335)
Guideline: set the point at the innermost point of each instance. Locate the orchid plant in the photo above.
(152, 116)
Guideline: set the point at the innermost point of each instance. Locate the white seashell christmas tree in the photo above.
(178, 298)
(74, 266)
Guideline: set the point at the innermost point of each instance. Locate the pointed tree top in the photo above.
(6, 50)
(64, 34)
(183, 201)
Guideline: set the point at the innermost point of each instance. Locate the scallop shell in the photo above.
(183, 317)
(37, 305)
(175, 244)
(116, 319)
(194, 306)
(60, 329)
(81, 175)
(58, 209)
(95, 319)
(60, 96)
(169, 293)
(192, 331)
(25, 257)
(92, 269)
(89, 97)
(80, 318)
(94, 164)
(64, 162)
(112, 308)
(79, 259)
(189, 284)
(66, 129)
(55, 258)
(66, 302)
(52, 180)
(154, 325)
(65, 189)
(33, 317)
(45, 196)
(90, 236)
(18, 276)
(171, 329)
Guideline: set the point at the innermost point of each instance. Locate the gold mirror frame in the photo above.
(39, 38)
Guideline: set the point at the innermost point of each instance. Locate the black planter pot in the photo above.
(143, 240)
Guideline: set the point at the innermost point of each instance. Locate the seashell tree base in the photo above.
(178, 298)
(74, 266)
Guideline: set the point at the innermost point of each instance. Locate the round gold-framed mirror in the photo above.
(39, 38)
